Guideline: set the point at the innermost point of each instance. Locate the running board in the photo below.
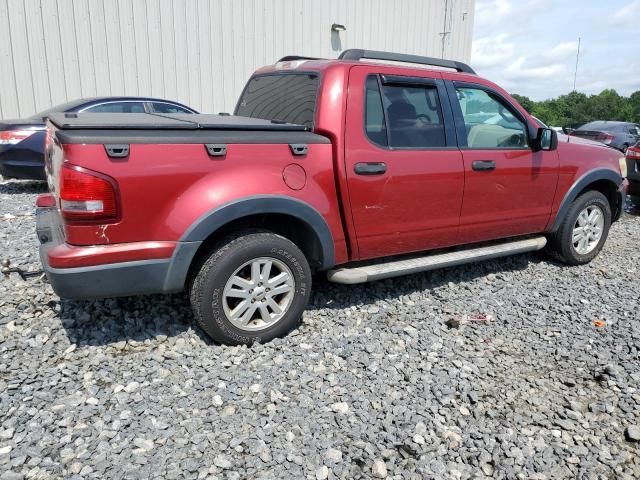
(368, 273)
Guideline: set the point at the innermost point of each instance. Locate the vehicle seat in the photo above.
(485, 135)
(137, 109)
(407, 131)
(402, 123)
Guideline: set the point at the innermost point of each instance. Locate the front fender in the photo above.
(578, 186)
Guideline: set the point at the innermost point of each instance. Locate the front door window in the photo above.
(489, 122)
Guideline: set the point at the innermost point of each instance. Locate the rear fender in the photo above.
(215, 219)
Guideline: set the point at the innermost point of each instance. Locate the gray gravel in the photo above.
(378, 382)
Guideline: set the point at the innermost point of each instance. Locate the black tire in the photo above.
(635, 200)
(561, 245)
(207, 288)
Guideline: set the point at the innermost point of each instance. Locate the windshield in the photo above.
(286, 97)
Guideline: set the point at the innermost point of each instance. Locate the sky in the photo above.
(529, 46)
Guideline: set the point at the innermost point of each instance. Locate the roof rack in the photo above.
(293, 58)
(357, 54)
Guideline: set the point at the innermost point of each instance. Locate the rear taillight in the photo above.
(604, 137)
(45, 200)
(633, 153)
(87, 196)
(11, 137)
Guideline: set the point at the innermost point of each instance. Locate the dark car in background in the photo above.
(633, 173)
(22, 141)
(620, 135)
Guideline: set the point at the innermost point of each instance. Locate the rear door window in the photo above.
(374, 121)
(117, 107)
(403, 116)
(285, 97)
(414, 116)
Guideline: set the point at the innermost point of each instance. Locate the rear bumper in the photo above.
(21, 163)
(116, 279)
(112, 280)
(633, 176)
(17, 169)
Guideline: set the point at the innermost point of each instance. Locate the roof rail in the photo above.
(293, 58)
(357, 54)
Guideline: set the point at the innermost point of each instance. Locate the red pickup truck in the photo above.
(353, 166)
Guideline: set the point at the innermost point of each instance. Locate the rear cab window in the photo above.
(284, 97)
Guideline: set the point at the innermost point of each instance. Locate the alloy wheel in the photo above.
(258, 294)
(587, 231)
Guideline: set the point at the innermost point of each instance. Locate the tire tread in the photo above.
(238, 241)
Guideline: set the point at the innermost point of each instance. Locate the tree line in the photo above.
(575, 108)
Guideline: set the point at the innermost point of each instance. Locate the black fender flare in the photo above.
(579, 185)
(213, 220)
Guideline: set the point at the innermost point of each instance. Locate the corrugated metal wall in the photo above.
(199, 52)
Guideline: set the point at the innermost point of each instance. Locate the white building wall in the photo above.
(199, 52)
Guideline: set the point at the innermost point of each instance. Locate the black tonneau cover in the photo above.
(150, 128)
(174, 121)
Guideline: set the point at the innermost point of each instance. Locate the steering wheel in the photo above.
(515, 140)
(424, 116)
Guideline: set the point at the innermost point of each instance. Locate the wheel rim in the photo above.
(587, 230)
(258, 294)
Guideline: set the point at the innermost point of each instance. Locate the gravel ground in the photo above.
(393, 379)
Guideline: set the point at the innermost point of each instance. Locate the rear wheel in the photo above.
(583, 230)
(252, 288)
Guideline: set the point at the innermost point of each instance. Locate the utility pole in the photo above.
(445, 32)
(575, 73)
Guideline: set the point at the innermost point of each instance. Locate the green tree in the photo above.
(575, 108)
(526, 102)
(634, 106)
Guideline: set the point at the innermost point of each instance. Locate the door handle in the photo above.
(370, 168)
(483, 165)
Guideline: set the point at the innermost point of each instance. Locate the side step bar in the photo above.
(368, 273)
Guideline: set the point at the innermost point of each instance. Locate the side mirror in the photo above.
(567, 130)
(546, 139)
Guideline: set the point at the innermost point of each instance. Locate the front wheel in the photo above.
(583, 230)
(252, 288)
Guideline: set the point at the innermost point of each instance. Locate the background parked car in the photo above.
(620, 135)
(633, 173)
(22, 141)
